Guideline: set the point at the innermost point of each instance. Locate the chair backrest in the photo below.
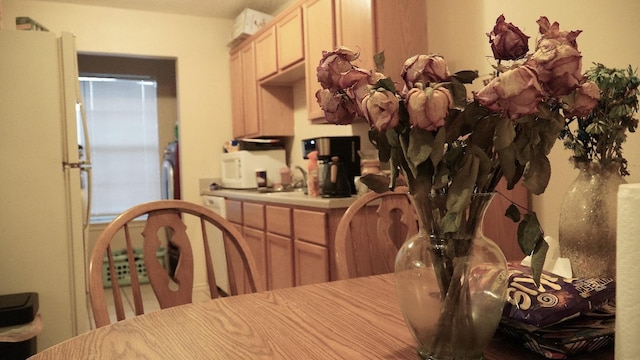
(163, 226)
(371, 231)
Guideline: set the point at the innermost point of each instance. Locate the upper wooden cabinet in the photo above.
(397, 27)
(266, 52)
(318, 36)
(290, 39)
(244, 91)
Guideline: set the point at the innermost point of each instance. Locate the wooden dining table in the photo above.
(350, 319)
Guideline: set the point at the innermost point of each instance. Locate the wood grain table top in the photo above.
(350, 319)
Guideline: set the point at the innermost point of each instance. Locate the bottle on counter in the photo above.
(313, 182)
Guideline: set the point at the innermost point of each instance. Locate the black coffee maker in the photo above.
(339, 163)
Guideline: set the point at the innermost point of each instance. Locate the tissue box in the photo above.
(248, 23)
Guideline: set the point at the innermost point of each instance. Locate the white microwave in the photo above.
(239, 168)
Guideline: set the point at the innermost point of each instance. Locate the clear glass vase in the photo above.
(451, 285)
(587, 227)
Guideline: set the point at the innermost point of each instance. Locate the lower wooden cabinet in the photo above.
(280, 259)
(311, 263)
(291, 245)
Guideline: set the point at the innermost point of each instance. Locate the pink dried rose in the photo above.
(507, 41)
(515, 92)
(337, 108)
(559, 66)
(333, 65)
(552, 31)
(428, 108)
(381, 108)
(362, 87)
(582, 101)
(425, 69)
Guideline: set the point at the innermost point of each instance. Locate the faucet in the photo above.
(304, 179)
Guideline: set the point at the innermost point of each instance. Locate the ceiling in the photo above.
(227, 9)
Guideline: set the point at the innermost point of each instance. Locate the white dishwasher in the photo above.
(216, 242)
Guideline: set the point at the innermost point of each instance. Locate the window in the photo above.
(122, 117)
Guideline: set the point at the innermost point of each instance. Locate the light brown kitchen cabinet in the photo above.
(368, 26)
(244, 92)
(266, 53)
(311, 263)
(292, 245)
(290, 39)
(280, 269)
(318, 36)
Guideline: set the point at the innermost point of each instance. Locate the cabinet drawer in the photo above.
(234, 211)
(310, 226)
(279, 220)
(253, 215)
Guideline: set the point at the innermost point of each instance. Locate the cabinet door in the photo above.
(280, 261)
(290, 43)
(311, 263)
(354, 29)
(256, 240)
(318, 36)
(400, 28)
(238, 279)
(249, 91)
(266, 53)
(237, 103)
(234, 211)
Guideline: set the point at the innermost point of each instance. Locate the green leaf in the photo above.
(505, 133)
(451, 222)
(537, 174)
(380, 141)
(386, 83)
(437, 152)
(466, 76)
(513, 213)
(529, 233)
(419, 149)
(537, 259)
(458, 93)
(375, 182)
(463, 183)
(379, 60)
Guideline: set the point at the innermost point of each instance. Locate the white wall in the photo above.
(198, 44)
(457, 28)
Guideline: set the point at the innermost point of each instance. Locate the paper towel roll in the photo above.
(628, 273)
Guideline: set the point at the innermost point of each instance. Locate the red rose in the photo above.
(507, 41)
(337, 108)
(332, 65)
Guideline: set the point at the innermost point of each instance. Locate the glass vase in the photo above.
(451, 285)
(587, 227)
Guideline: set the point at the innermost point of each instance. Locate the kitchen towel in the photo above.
(627, 270)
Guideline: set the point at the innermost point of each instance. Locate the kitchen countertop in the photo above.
(294, 198)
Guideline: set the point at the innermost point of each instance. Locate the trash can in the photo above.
(20, 325)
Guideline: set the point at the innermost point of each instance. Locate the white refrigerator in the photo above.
(45, 179)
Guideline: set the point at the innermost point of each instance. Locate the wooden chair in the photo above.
(163, 221)
(371, 231)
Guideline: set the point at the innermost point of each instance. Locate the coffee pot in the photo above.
(336, 181)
